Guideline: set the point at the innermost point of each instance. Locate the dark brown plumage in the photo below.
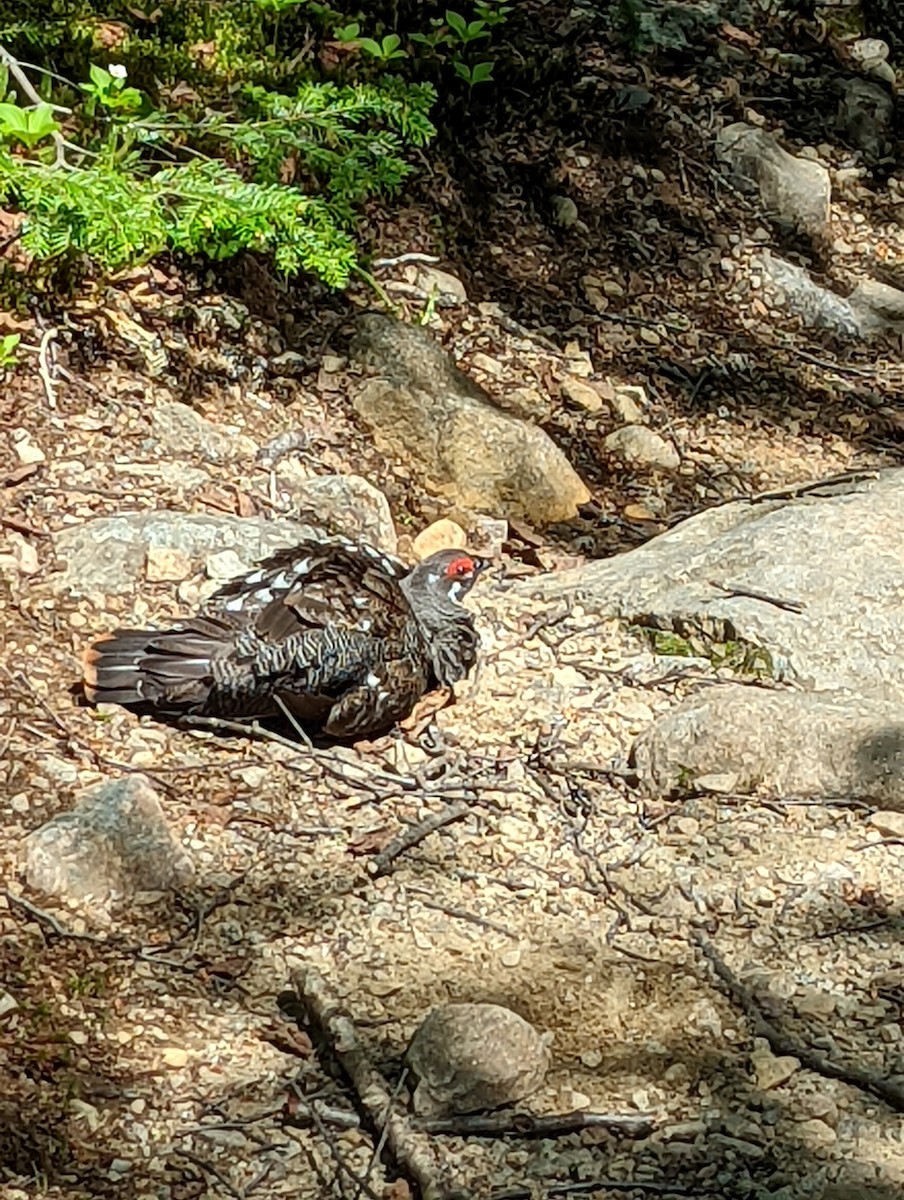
(344, 638)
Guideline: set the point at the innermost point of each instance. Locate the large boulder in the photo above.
(817, 581)
(428, 414)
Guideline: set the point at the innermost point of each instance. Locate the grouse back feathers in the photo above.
(344, 637)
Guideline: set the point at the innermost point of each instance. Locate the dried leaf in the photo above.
(371, 842)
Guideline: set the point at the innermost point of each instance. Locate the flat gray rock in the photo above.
(795, 191)
(115, 842)
(180, 431)
(747, 739)
(840, 556)
(108, 555)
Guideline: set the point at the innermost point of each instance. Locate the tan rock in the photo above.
(427, 413)
(164, 564)
(771, 1070)
(583, 394)
(441, 535)
(888, 823)
(637, 444)
(468, 1057)
(26, 451)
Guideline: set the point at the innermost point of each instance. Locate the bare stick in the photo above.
(403, 258)
(414, 835)
(252, 729)
(781, 1043)
(501, 1124)
(588, 1186)
(412, 1150)
(211, 1169)
(49, 919)
(44, 366)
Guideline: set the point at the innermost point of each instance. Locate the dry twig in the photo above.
(519, 1124)
(414, 835)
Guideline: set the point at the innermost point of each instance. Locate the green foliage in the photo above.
(28, 126)
(648, 26)
(8, 347)
(171, 134)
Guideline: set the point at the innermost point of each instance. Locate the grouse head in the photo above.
(443, 577)
(434, 588)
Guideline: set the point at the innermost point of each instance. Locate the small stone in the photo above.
(816, 1131)
(510, 958)
(889, 824)
(19, 802)
(771, 1070)
(26, 451)
(8, 1003)
(564, 211)
(441, 535)
(289, 363)
(164, 564)
(584, 395)
(225, 565)
(331, 363)
(138, 1106)
(24, 554)
(486, 364)
(78, 1037)
(569, 677)
(115, 841)
(688, 826)
(591, 1059)
(253, 777)
(175, 1056)
(817, 1104)
(489, 535)
(447, 288)
(637, 444)
(723, 784)
(815, 1003)
(629, 403)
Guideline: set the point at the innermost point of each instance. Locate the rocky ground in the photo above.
(724, 959)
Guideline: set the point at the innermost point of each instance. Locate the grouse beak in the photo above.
(480, 564)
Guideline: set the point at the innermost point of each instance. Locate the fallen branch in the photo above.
(410, 1149)
(591, 1186)
(503, 1124)
(414, 835)
(781, 1044)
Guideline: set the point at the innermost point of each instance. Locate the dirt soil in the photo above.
(147, 1056)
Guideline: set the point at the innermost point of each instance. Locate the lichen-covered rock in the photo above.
(115, 842)
(469, 1057)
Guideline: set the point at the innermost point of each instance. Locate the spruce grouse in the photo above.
(341, 637)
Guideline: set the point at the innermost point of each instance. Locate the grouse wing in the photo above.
(332, 583)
